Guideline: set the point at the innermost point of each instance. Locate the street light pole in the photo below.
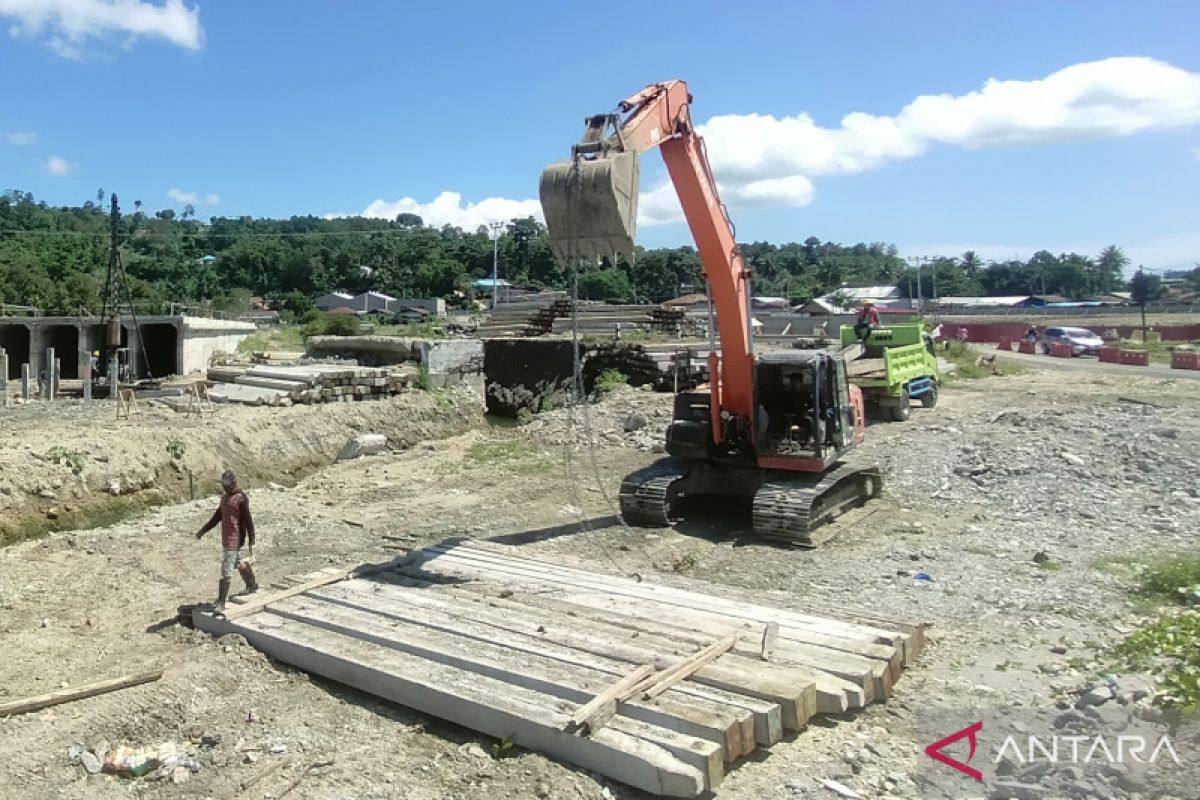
(496, 227)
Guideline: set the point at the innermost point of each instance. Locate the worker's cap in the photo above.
(228, 478)
(96, 353)
(868, 302)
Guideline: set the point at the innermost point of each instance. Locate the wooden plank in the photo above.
(481, 552)
(695, 713)
(323, 578)
(795, 694)
(588, 716)
(703, 599)
(38, 702)
(871, 677)
(543, 675)
(482, 704)
(834, 695)
(687, 667)
(760, 721)
(770, 638)
(699, 604)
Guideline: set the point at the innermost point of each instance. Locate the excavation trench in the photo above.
(69, 480)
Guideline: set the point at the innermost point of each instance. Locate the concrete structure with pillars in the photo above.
(173, 345)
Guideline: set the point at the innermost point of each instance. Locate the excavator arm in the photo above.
(590, 205)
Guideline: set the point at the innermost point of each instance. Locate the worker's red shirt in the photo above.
(869, 315)
(236, 523)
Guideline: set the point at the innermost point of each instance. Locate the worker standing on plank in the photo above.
(868, 319)
(237, 531)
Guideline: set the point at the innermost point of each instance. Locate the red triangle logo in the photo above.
(934, 750)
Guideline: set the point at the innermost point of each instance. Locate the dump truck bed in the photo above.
(890, 360)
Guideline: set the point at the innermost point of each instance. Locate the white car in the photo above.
(1082, 341)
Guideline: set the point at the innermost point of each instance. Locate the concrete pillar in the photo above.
(48, 389)
(55, 376)
(114, 379)
(85, 371)
(25, 381)
(4, 377)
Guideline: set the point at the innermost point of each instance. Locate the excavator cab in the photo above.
(804, 407)
(590, 200)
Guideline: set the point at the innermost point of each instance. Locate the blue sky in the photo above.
(274, 108)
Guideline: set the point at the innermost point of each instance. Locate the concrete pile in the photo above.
(313, 383)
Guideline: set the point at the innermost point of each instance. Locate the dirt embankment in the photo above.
(67, 466)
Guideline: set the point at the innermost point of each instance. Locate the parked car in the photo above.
(1082, 341)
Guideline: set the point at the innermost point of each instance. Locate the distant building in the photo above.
(331, 300)
(688, 301)
(770, 303)
(431, 305)
(373, 303)
(821, 308)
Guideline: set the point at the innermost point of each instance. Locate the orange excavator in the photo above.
(774, 426)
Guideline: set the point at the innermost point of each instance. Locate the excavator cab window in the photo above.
(788, 409)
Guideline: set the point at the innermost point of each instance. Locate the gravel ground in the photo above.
(1009, 495)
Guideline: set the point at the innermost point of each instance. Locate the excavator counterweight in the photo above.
(590, 205)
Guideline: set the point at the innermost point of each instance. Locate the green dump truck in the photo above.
(894, 366)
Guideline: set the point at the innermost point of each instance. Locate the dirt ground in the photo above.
(1080, 468)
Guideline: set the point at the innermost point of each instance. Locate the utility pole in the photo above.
(496, 226)
(916, 261)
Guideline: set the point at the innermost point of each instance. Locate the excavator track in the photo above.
(788, 508)
(646, 495)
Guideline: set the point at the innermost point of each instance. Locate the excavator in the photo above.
(775, 427)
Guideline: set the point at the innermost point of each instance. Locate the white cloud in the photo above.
(766, 160)
(66, 25)
(1175, 251)
(763, 160)
(448, 209)
(59, 166)
(193, 198)
(20, 138)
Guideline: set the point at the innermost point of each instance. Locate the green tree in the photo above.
(1109, 270)
(605, 284)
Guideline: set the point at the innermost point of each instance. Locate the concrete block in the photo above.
(364, 444)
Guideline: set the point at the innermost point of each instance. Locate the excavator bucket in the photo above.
(590, 206)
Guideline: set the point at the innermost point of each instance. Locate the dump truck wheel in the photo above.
(930, 398)
(903, 410)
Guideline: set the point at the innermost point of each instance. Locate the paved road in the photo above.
(1088, 364)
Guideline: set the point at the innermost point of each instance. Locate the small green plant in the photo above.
(503, 748)
(424, 382)
(72, 458)
(1170, 649)
(176, 448)
(609, 380)
(686, 562)
(1173, 579)
(519, 457)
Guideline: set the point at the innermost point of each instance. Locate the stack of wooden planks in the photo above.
(311, 383)
(660, 687)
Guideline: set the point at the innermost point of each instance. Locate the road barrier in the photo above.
(1135, 358)
(1061, 350)
(1027, 347)
(1006, 343)
(1110, 355)
(1185, 359)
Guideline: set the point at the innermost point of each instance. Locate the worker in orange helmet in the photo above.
(868, 319)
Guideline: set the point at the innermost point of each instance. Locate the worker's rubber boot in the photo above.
(222, 595)
(247, 573)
